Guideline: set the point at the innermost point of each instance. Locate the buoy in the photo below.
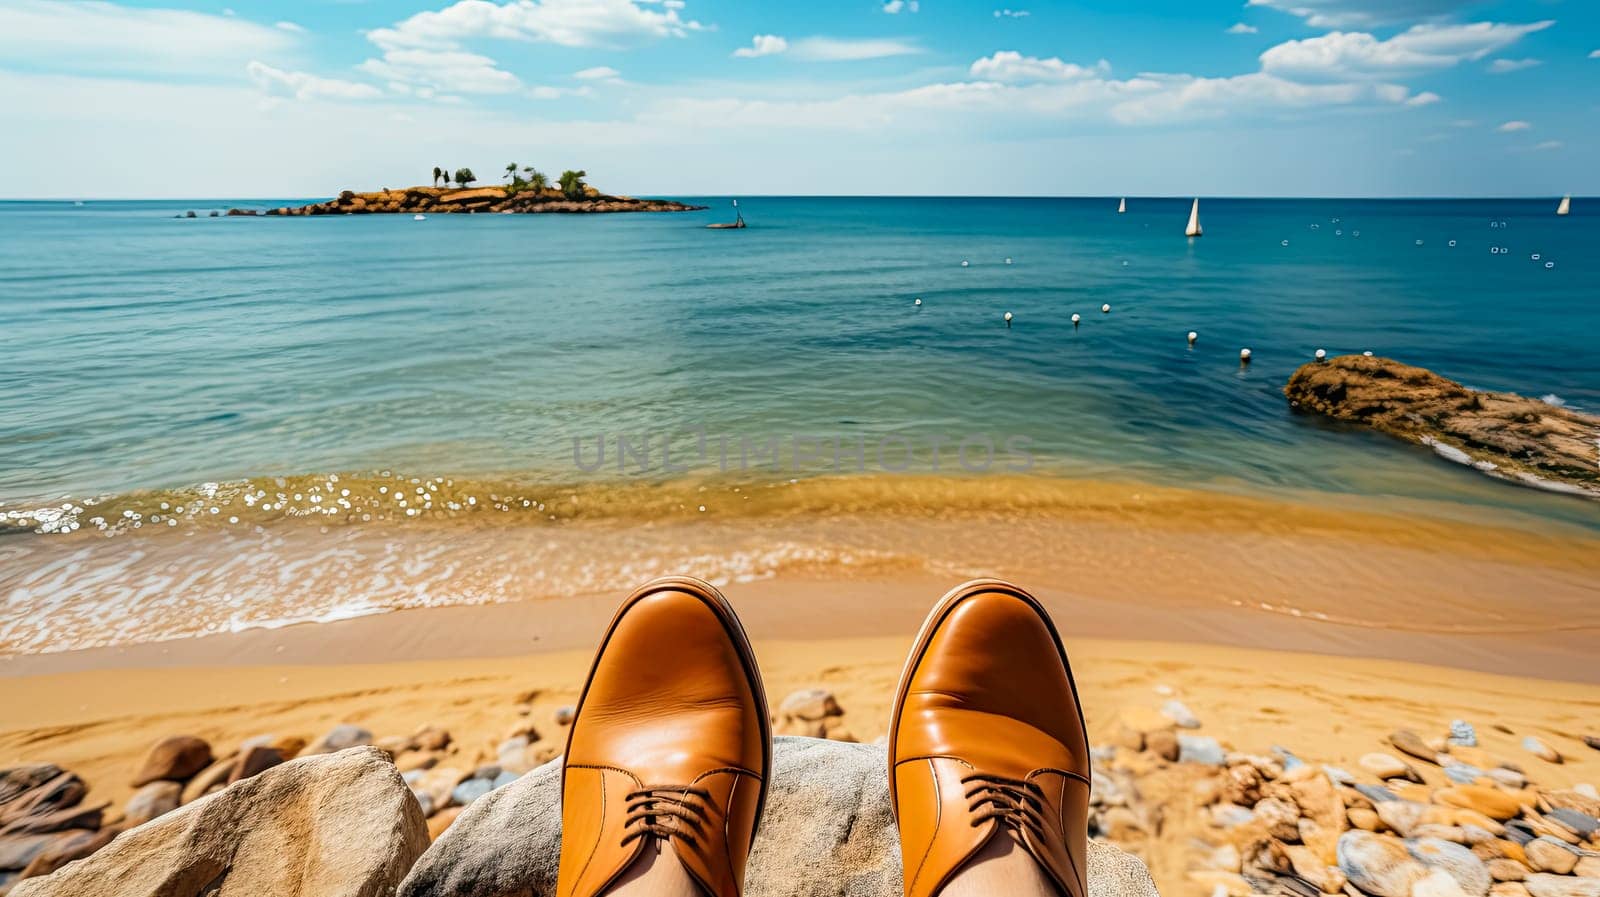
(1244, 356)
(1419, 242)
(1535, 256)
(965, 263)
(1452, 244)
(918, 303)
(419, 217)
(1008, 319)
(1075, 320)
(1105, 309)
(1286, 242)
(1008, 259)
(1192, 337)
(1321, 354)
(1549, 264)
(1367, 353)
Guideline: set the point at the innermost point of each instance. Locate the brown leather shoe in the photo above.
(670, 742)
(987, 740)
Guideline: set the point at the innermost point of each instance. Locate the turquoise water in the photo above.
(140, 351)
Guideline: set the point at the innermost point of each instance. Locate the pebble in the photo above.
(1463, 773)
(1404, 816)
(1592, 741)
(564, 715)
(1491, 802)
(1581, 824)
(1377, 864)
(1281, 818)
(1437, 883)
(1507, 889)
(1588, 867)
(1178, 713)
(470, 790)
(1501, 869)
(1408, 742)
(1461, 864)
(1200, 749)
(157, 798)
(1376, 793)
(1462, 733)
(1547, 885)
(1388, 766)
(1546, 854)
(1541, 750)
(1363, 818)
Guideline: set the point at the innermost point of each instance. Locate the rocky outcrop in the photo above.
(438, 200)
(828, 830)
(336, 825)
(1523, 440)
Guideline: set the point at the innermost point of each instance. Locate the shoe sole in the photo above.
(930, 625)
(719, 605)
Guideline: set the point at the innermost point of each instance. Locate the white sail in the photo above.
(1193, 230)
(1122, 206)
(1565, 207)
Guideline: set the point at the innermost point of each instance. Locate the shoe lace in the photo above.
(1017, 803)
(665, 811)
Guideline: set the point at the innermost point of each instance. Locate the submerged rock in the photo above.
(828, 830)
(337, 825)
(1519, 439)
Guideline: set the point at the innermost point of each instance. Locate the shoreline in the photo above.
(815, 610)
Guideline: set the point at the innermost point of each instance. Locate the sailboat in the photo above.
(735, 224)
(1122, 206)
(1566, 206)
(1193, 230)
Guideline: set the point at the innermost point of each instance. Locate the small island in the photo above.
(526, 191)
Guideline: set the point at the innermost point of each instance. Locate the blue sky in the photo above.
(1210, 97)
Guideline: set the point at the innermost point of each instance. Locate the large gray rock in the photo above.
(336, 825)
(828, 832)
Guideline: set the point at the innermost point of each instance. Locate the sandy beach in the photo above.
(481, 671)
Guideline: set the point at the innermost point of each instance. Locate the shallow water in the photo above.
(146, 356)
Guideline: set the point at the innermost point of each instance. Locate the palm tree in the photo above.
(437, 171)
(511, 171)
(572, 184)
(537, 179)
(464, 176)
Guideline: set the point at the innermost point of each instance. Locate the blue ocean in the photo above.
(144, 350)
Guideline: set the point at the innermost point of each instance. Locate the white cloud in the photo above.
(894, 6)
(828, 49)
(1013, 67)
(569, 23)
(1340, 54)
(304, 86)
(1549, 145)
(1011, 13)
(1426, 98)
(87, 36)
(444, 70)
(291, 27)
(1503, 66)
(1594, 54)
(1242, 28)
(762, 45)
(546, 92)
(1365, 13)
(1511, 126)
(598, 73)
(1188, 97)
